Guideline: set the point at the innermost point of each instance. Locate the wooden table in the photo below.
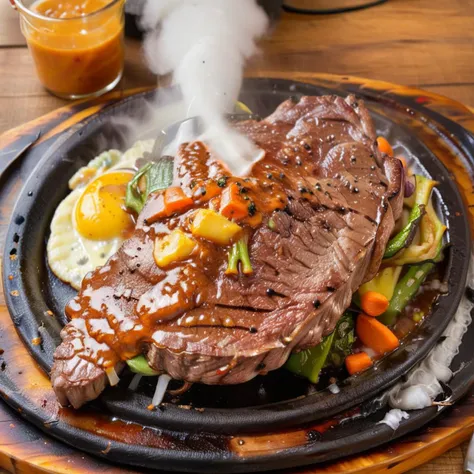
(427, 43)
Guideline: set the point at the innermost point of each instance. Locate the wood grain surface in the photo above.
(424, 43)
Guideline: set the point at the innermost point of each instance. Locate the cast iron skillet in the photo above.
(41, 291)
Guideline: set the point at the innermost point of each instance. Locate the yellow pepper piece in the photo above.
(241, 107)
(211, 225)
(175, 247)
(384, 282)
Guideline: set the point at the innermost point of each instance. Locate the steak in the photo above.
(324, 200)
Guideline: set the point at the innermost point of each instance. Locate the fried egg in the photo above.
(91, 223)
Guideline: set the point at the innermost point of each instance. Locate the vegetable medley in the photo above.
(365, 332)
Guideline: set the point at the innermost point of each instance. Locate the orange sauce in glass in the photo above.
(78, 46)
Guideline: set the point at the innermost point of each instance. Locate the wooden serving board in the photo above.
(26, 449)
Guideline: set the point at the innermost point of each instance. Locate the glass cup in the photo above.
(75, 56)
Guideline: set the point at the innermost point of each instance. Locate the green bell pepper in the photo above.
(139, 365)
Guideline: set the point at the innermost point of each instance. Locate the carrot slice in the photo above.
(359, 362)
(175, 200)
(165, 204)
(384, 146)
(375, 335)
(233, 206)
(204, 191)
(403, 161)
(374, 303)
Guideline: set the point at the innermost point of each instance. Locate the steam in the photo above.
(205, 44)
(424, 382)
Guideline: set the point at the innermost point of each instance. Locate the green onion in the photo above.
(244, 256)
(233, 260)
(239, 253)
(405, 291)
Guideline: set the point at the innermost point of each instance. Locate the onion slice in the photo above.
(161, 386)
(112, 376)
(135, 381)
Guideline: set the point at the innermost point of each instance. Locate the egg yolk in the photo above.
(100, 211)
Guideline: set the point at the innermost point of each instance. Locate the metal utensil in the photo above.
(8, 157)
(187, 130)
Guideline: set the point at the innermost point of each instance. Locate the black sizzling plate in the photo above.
(41, 291)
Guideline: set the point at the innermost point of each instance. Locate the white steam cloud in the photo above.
(205, 44)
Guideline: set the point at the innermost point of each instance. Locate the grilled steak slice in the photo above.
(324, 202)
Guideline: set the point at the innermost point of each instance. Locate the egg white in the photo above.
(71, 255)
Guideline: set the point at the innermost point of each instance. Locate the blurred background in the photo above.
(423, 43)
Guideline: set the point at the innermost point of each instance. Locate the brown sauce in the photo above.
(121, 314)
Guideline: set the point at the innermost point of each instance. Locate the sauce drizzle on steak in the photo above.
(332, 199)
